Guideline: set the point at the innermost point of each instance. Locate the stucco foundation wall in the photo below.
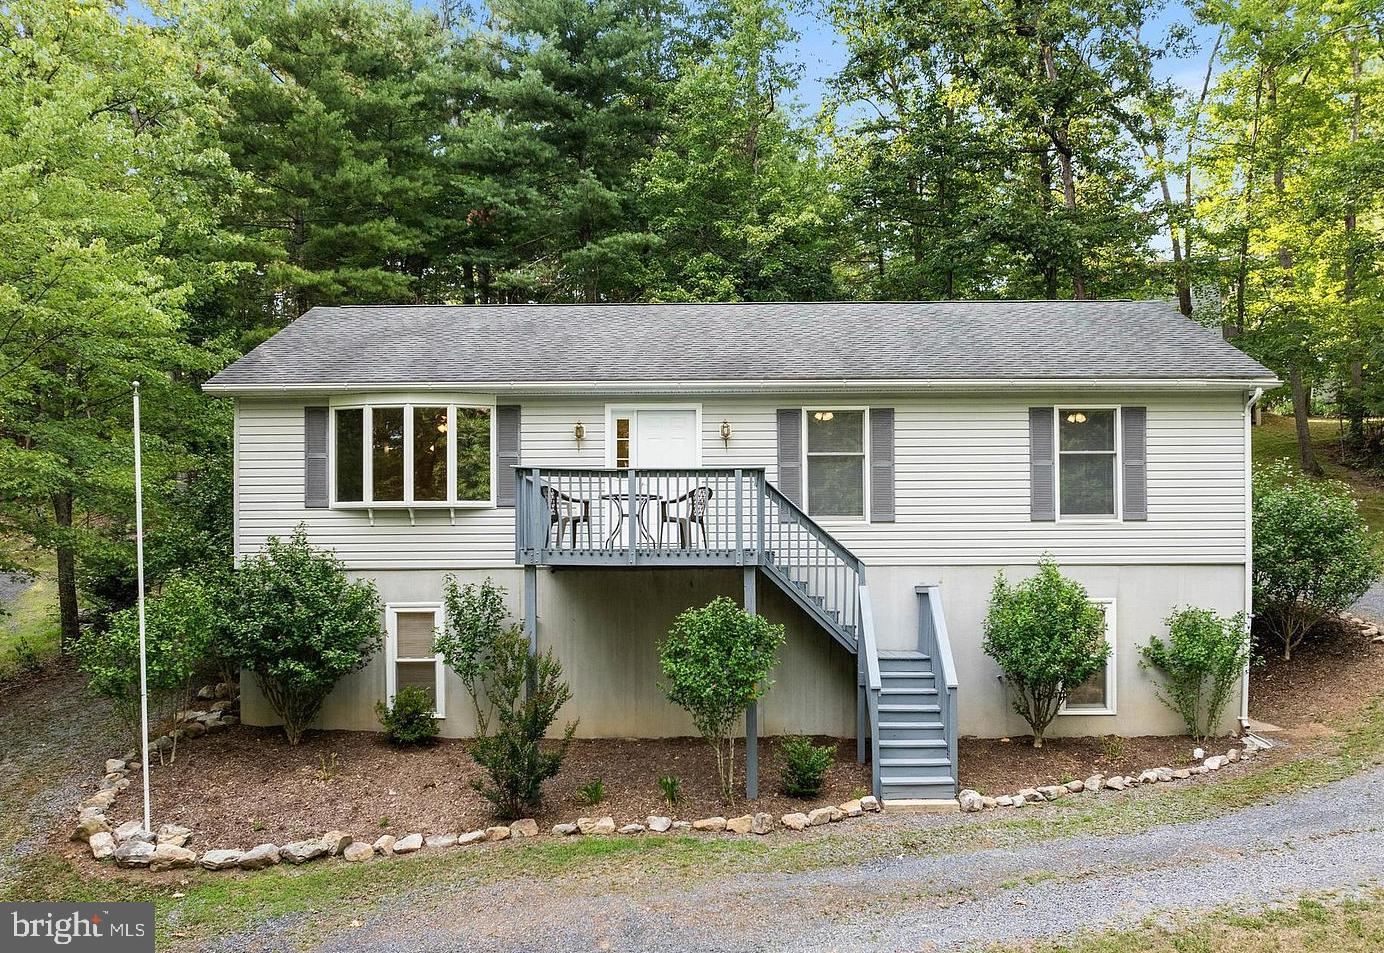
(605, 625)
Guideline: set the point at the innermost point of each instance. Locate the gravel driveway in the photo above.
(1371, 604)
(1327, 839)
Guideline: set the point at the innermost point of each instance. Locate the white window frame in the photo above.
(1109, 708)
(391, 628)
(1057, 464)
(864, 463)
(614, 411)
(367, 408)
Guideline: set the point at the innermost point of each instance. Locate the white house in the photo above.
(878, 464)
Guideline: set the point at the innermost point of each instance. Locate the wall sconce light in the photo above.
(726, 433)
(1076, 417)
(579, 432)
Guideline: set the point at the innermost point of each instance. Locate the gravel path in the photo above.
(11, 585)
(1371, 604)
(1332, 838)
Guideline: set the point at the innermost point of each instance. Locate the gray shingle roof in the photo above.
(915, 341)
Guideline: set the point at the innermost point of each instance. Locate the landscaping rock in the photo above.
(658, 824)
(206, 692)
(682, 825)
(795, 821)
(1148, 776)
(1115, 784)
(336, 842)
(221, 859)
(604, 825)
(133, 853)
(174, 834)
(712, 824)
(114, 782)
(498, 832)
(852, 808)
(988, 803)
(1094, 783)
(475, 837)
(300, 852)
(819, 816)
(413, 842)
(116, 764)
(440, 840)
(1075, 787)
(194, 729)
(525, 827)
(869, 803)
(384, 844)
(763, 823)
(1233, 755)
(101, 799)
(89, 825)
(132, 830)
(220, 706)
(171, 857)
(356, 851)
(1214, 763)
(1017, 801)
(102, 845)
(1030, 794)
(631, 829)
(559, 830)
(741, 824)
(1164, 774)
(1004, 800)
(970, 801)
(1182, 774)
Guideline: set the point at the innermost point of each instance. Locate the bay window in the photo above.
(405, 454)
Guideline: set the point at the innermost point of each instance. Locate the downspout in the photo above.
(1249, 551)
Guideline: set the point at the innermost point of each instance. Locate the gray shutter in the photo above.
(315, 422)
(881, 464)
(1042, 496)
(1134, 462)
(506, 452)
(790, 453)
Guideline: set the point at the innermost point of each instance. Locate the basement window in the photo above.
(410, 633)
(1096, 695)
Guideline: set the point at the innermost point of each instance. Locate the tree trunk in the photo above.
(1355, 394)
(1307, 458)
(1061, 139)
(67, 570)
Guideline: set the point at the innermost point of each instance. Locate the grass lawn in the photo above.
(1276, 439)
(30, 632)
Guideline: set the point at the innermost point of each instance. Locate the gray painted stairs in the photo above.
(914, 756)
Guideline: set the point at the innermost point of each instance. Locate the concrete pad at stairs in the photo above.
(923, 806)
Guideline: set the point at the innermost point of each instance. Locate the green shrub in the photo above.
(1047, 637)
(409, 721)
(177, 632)
(476, 618)
(671, 785)
(805, 766)
(292, 616)
(592, 792)
(1204, 656)
(1313, 553)
(715, 661)
(513, 757)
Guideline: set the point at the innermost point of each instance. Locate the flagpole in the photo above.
(139, 574)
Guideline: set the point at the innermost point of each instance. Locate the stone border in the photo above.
(972, 802)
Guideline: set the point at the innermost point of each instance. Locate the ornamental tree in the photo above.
(1048, 637)
(716, 661)
(476, 620)
(1204, 655)
(294, 618)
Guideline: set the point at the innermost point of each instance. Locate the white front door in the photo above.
(658, 439)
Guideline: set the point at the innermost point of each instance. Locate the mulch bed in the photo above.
(996, 767)
(246, 786)
(1336, 672)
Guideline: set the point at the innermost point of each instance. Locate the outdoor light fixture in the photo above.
(823, 415)
(726, 433)
(1076, 417)
(579, 432)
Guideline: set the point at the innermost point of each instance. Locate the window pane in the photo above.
(1090, 693)
(1088, 484)
(1087, 429)
(473, 453)
(622, 442)
(835, 431)
(414, 634)
(350, 462)
(430, 453)
(387, 452)
(420, 675)
(836, 486)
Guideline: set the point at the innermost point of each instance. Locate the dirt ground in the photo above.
(998, 767)
(1337, 672)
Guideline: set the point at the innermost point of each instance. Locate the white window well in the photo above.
(1096, 695)
(410, 631)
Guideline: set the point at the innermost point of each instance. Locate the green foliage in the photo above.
(1202, 660)
(671, 786)
(409, 721)
(178, 635)
(592, 792)
(715, 661)
(1046, 636)
(805, 766)
(476, 619)
(1313, 553)
(514, 757)
(291, 615)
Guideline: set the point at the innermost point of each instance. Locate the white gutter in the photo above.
(1249, 550)
(746, 386)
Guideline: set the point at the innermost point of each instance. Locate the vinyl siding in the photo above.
(961, 469)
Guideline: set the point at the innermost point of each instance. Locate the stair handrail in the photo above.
(867, 658)
(941, 650)
(831, 542)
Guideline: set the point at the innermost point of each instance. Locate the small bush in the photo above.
(293, 617)
(592, 792)
(1046, 636)
(1313, 553)
(805, 766)
(671, 785)
(716, 660)
(1204, 656)
(513, 758)
(409, 721)
(476, 618)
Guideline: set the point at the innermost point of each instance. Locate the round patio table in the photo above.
(624, 502)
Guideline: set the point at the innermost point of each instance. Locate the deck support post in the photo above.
(751, 713)
(531, 611)
(861, 715)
